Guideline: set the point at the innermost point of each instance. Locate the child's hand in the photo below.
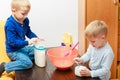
(78, 60)
(85, 72)
(33, 41)
(41, 39)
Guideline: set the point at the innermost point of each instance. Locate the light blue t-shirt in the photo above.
(100, 61)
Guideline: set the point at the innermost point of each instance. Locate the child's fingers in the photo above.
(76, 62)
(83, 72)
(76, 59)
(41, 39)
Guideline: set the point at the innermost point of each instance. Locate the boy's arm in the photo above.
(29, 33)
(106, 65)
(11, 36)
(86, 57)
(13, 41)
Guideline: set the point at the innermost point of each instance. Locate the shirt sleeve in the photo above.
(106, 65)
(29, 32)
(86, 57)
(12, 38)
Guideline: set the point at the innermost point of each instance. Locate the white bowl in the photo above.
(78, 69)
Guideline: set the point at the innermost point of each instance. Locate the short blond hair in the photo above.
(96, 28)
(16, 4)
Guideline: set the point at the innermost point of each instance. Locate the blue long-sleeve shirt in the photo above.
(100, 61)
(16, 33)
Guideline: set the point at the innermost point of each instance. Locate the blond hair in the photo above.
(16, 4)
(96, 28)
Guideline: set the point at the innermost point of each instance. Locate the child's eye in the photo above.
(92, 41)
(23, 14)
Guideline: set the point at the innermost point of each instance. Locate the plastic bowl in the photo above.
(59, 60)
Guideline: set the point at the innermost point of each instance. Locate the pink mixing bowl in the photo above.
(58, 58)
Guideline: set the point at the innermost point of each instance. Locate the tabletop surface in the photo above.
(49, 72)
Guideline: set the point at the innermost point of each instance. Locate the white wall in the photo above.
(49, 18)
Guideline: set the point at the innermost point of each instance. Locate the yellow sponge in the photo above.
(67, 39)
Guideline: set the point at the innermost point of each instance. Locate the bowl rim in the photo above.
(61, 56)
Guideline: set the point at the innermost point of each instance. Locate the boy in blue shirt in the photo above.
(99, 53)
(16, 30)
